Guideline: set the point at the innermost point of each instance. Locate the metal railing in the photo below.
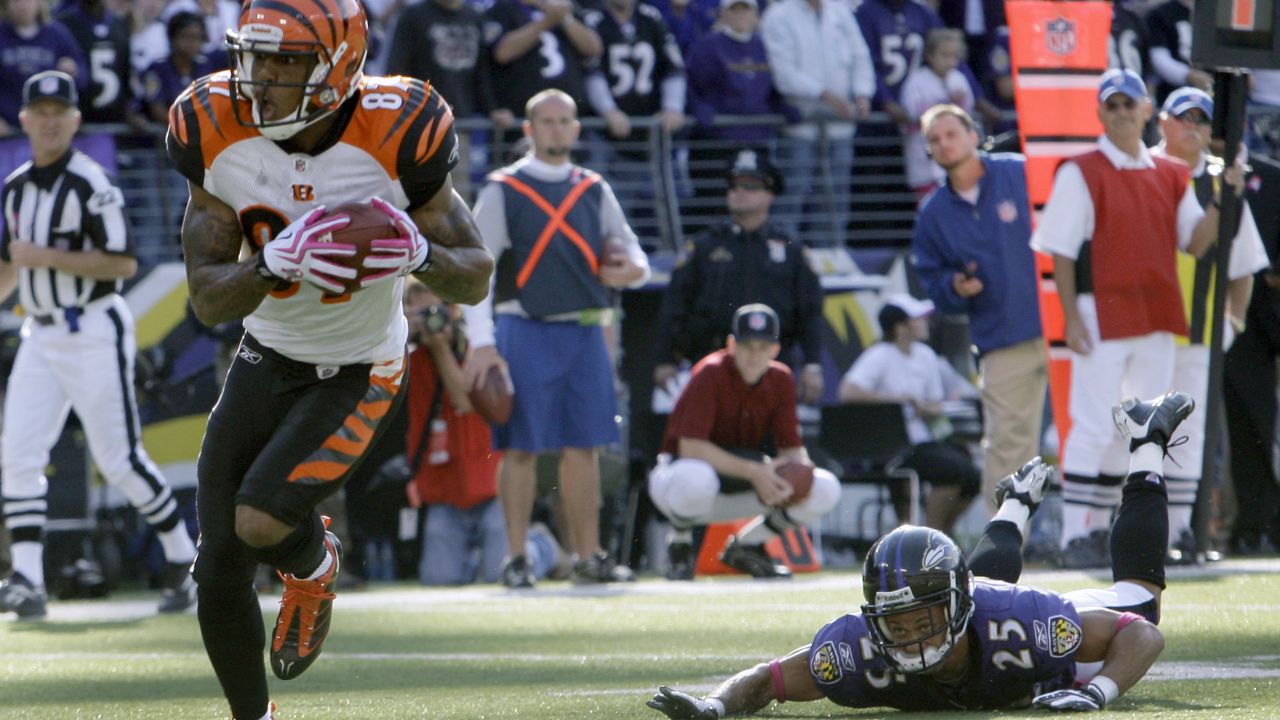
(669, 186)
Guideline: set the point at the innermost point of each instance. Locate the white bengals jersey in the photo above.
(394, 139)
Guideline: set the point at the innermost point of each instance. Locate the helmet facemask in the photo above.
(319, 94)
(945, 613)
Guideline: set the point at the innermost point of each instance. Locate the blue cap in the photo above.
(1188, 98)
(1121, 81)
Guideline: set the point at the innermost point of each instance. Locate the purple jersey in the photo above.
(1022, 641)
(22, 57)
(895, 31)
(163, 83)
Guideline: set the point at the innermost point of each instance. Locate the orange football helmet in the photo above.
(332, 36)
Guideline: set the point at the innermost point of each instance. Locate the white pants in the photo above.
(1139, 366)
(688, 492)
(1190, 375)
(90, 371)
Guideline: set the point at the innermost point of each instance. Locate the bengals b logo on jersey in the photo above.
(304, 193)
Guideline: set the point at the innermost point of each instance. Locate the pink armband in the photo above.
(779, 690)
(1125, 619)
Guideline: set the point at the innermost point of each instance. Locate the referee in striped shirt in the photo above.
(66, 248)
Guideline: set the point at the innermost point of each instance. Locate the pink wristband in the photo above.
(779, 690)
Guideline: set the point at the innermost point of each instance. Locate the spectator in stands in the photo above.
(822, 67)
(642, 76)
(895, 32)
(997, 83)
(1185, 118)
(1249, 384)
(164, 81)
(30, 43)
(104, 37)
(688, 20)
(971, 252)
(901, 368)
(1264, 126)
(735, 420)
(1169, 25)
(745, 260)
(644, 72)
(453, 469)
(934, 83)
(538, 45)
(545, 320)
(977, 18)
(729, 75)
(219, 17)
(1130, 47)
(443, 41)
(1119, 294)
(148, 39)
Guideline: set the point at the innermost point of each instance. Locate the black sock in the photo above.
(998, 554)
(231, 625)
(1140, 534)
(300, 553)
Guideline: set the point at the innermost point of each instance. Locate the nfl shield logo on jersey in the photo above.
(1060, 36)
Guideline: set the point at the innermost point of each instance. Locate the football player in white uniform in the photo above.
(292, 128)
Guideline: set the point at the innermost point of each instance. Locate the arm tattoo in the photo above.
(460, 263)
(222, 289)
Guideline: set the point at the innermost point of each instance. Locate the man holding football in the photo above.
(714, 464)
(563, 247)
(931, 636)
(292, 128)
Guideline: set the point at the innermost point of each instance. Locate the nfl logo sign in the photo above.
(299, 165)
(1060, 36)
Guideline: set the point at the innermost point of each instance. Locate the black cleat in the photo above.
(1152, 421)
(516, 573)
(305, 612)
(179, 589)
(1087, 552)
(600, 568)
(1028, 485)
(753, 560)
(681, 566)
(19, 596)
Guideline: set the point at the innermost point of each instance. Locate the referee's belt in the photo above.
(71, 315)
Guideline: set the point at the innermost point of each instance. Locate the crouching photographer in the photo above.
(452, 467)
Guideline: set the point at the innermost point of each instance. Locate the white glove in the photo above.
(1086, 699)
(299, 252)
(409, 253)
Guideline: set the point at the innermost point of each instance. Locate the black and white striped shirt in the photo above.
(71, 205)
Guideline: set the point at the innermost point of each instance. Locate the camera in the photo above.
(435, 318)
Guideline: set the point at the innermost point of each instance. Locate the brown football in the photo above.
(367, 224)
(494, 396)
(799, 474)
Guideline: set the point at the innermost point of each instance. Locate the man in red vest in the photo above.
(1115, 219)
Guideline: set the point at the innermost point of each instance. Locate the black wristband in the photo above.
(260, 264)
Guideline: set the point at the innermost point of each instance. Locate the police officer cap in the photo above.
(49, 85)
(755, 163)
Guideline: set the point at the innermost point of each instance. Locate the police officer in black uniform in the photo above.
(745, 260)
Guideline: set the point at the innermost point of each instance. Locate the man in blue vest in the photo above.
(563, 246)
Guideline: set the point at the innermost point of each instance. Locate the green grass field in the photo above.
(402, 651)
